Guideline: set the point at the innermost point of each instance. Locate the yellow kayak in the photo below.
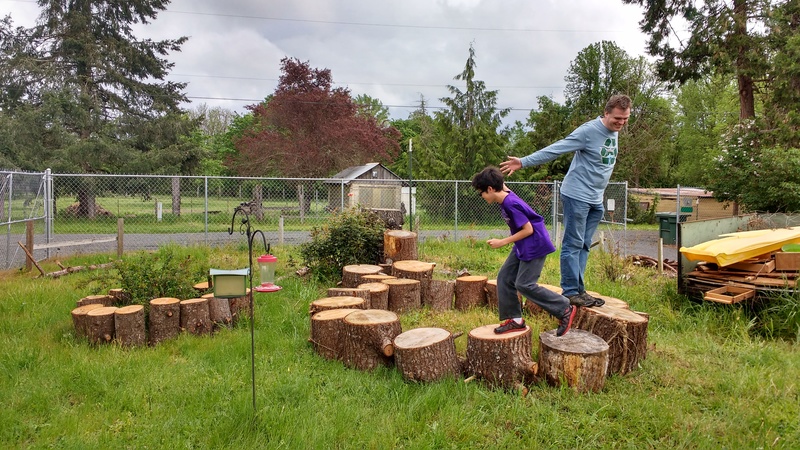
(736, 247)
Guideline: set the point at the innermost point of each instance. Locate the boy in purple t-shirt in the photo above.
(524, 264)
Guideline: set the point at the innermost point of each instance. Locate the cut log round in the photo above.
(120, 296)
(399, 245)
(378, 295)
(470, 291)
(327, 332)
(105, 300)
(377, 278)
(579, 358)
(415, 270)
(426, 354)
(611, 301)
(219, 310)
(79, 319)
(201, 288)
(195, 318)
(440, 295)
(326, 303)
(500, 360)
(492, 301)
(351, 275)
(352, 292)
(165, 319)
(240, 306)
(100, 324)
(368, 338)
(403, 295)
(623, 330)
(129, 326)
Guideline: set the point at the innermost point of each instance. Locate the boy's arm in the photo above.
(524, 232)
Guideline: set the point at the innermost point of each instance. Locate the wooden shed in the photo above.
(371, 186)
(696, 203)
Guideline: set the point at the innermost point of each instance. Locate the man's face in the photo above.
(616, 119)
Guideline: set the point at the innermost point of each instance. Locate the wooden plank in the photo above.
(754, 266)
(763, 281)
(729, 294)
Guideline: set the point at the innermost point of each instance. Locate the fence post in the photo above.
(455, 212)
(29, 244)
(120, 234)
(205, 206)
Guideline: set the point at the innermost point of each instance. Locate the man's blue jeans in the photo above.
(580, 222)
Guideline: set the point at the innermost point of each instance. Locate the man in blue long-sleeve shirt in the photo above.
(595, 146)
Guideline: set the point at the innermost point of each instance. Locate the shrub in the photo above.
(171, 271)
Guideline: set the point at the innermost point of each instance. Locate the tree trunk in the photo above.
(747, 108)
(120, 296)
(399, 245)
(415, 270)
(368, 338)
(377, 278)
(440, 295)
(578, 358)
(500, 360)
(426, 354)
(352, 292)
(219, 310)
(240, 306)
(86, 203)
(105, 300)
(165, 319)
(257, 205)
(492, 301)
(624, 330)
(195, 318)
(129, 326)
(403, 295)
(470, 291)
(80, 321)
(176, 196)
(378, 295)
(327, 332)
(100, 322)
(324, 304)
(353, 274)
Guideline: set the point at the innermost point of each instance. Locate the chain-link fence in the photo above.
(86, 213)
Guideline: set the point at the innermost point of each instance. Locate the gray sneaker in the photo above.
(591, 300)
(580, 300)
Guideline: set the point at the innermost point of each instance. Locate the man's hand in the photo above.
(512, 165)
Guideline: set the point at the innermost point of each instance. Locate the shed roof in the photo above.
(673, 192)
(352, 173)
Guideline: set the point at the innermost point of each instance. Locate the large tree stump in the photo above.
(202, 287)
(240, 306)
(415, 270)
(100, 324)
(327, 332)
(492, 301)
(105, 300)
(120, 296)
(219, 310)
(368, 338)
(426, 354)
(352, 292)
(440, 295)
(378, 295)
(579, 358)
(195, 317)
(129, 326)
(403, 295)
(377, 278)
(624, 330)
(611, 301)
(500, 360)
(351, 275)
(399, 245)
(165, 319)
(326, 303)
(470, 291)
(80, 320)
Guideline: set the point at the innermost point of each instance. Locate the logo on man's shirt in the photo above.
(608, 152)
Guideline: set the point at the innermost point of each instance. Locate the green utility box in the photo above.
(668, 226)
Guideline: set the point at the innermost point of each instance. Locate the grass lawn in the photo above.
(708, 380)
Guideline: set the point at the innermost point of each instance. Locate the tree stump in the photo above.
(377, 278)
(351, 275)
(368, 338)
(624, 330)
(611, 301)
(403, 295)
(440, 295)
(105, 300)
(426, 354)
(327, 332)
(399, 245)
(415, 270)
(492, 301)
(352, 292)
(165, 319)
(129, 326)
(219, 310)
(80, 320)
(500, 360)
(240, 306)
(195, 318)
(579, 358)
(100, 324)
(470, 291)
(202, 287)
(120, 296)
(378, 295)
(326, 303)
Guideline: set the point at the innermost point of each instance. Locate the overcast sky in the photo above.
(394, 51)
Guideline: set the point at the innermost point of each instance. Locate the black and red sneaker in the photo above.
(565, 323)
(509, 325)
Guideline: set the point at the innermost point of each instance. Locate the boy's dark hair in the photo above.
(488, 177)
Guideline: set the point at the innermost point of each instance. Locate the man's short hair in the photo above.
(620, 101)
(488, 177)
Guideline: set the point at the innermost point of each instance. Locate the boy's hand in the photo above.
(495, 243)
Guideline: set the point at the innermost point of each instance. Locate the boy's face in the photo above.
(490, 195)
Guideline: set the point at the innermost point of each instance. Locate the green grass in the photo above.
(707, 381)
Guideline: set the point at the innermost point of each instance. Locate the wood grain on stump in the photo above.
(470, 291)
(79, 319)
(195, 318)
(164, 318)
(120, 296)
(403, 295)
(500, 360)
(426, 354)
(326, 303)
(327, 332)
(100, 324)
(492, 301)
(352, 292)
(440, 295)
(579, 358)
(415, 270)
(219, 310)
(378, 295)
(624, 330)
(611, 301)
(399, 245)
(129, 326)
(377, 278)
(368, 338)
(202, 288)
(105, 300)
(351, 275)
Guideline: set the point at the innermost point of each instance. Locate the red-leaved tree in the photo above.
(309, 129)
